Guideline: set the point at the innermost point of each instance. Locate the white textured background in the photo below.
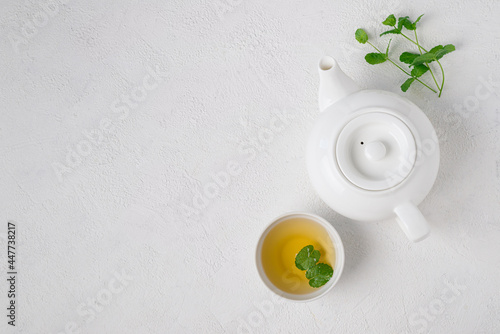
(124, 203)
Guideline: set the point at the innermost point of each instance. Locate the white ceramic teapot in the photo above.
(372, 154)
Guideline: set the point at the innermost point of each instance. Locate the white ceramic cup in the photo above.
(339, 257)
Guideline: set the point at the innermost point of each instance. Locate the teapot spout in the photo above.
(334, 84)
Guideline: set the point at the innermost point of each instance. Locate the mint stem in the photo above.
(389, 59)
(442, 83)
(411, 40)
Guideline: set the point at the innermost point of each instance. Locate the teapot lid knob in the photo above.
(375, 151)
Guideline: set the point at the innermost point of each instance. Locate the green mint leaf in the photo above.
(375, 58)
(408, 57)
(361, 36)
(392, 31)
(407, 84)
(319, 275)
(418, 70)
(408, 25)
(415, 23)
(307, 258)
(445, 50)
(436, 49)
(390, 20)
(425, 58)
(404, 21)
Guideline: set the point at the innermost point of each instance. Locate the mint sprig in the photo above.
(318, 274)
(418, 62)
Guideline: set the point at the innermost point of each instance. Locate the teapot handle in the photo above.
(412, 221)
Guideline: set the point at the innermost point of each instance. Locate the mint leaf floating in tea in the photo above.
(307, 258)
(319, 275)
(419, 61)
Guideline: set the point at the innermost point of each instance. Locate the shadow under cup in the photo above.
(326, 233)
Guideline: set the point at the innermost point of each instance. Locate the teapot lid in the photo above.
(376, 151)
